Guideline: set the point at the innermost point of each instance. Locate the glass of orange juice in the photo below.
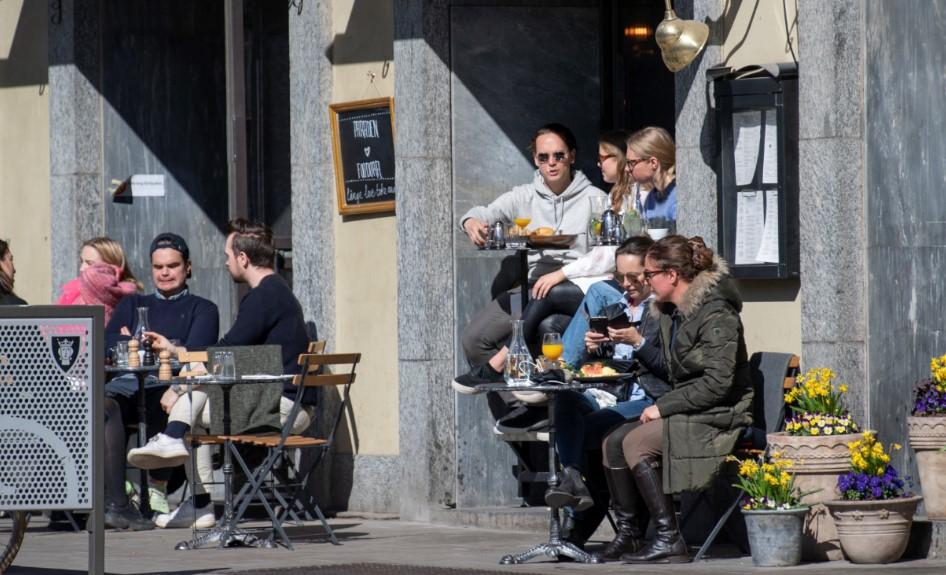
(552, 347)
(522, 223)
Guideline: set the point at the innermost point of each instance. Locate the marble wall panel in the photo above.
(502, 91)
(906, 234)
(695, 125)
(425, 262)
(831, 47)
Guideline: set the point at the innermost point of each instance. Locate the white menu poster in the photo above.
(770, 149)
(768, 248)
(750, 220)
(746, 128)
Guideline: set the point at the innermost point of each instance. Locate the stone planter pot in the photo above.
(927, 438)
(818, 460)
(874, 531)
(775, 536)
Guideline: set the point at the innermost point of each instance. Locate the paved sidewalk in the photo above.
(389, 546)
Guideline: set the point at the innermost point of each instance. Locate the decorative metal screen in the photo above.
(46, 376)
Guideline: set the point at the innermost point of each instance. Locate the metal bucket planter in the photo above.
(874, 531)
(775, 536)
(927, 438)
(818, 460)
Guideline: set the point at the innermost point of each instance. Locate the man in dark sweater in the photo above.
(268, 314)
(174, 311)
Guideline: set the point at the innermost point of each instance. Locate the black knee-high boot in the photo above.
(625, 503)
(668, 546)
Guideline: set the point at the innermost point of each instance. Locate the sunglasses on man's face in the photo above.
(557, 156)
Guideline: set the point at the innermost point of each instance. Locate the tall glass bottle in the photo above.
(519, 361)
(142, 326)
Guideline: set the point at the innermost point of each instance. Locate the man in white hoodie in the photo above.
(556, 198)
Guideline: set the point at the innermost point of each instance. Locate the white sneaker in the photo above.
(531, 397)
(185, 516)
(161, 451)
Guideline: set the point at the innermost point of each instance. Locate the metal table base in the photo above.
(555, 547)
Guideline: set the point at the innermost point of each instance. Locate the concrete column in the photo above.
(696, 147)
(832, 192)
(426, 297)
(77, 192)
(313, 193)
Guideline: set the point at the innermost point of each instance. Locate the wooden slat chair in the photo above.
(278, 445)
(773, 375)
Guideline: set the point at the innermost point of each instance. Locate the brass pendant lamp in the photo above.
(680, 41)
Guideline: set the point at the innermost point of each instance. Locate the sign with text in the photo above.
(363, 145)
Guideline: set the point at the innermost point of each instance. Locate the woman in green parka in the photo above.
(691, 429)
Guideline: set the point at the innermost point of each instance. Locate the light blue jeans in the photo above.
(599, 296)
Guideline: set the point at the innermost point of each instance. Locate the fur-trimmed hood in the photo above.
(707, 285)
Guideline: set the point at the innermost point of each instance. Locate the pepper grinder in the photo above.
(134, 360)
(149, 352)
(164, 371)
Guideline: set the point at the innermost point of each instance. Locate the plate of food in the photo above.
(545, 237)
(598, 371)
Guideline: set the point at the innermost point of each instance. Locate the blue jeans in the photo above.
(599, 296)
(581, 424)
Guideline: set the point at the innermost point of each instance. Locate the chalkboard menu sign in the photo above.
(363, 144)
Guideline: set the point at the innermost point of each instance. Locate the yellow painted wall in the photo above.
(365, 246)
(756, 34)
(757, 31)
(24, 145)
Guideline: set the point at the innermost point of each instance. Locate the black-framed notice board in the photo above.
(757, 187)
(363, 148)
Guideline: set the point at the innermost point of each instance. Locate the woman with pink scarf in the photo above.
(104, 277)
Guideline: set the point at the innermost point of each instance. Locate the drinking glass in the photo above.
(552, 347)
(120, 354)
(514, 237)
(522, 222)
(224, 365)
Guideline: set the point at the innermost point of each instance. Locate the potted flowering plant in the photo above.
(772, 509)
(874, 514)
(815, 439)
(927, 431)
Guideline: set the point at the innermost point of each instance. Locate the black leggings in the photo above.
(563, 298)
(119, 412)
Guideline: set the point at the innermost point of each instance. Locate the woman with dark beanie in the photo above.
(689, 430)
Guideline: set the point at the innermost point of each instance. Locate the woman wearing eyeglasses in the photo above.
(557, 198)
(689, 430)
(651, 162)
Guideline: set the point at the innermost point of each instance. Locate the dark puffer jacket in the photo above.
(711, 400)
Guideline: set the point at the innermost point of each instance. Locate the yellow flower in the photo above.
(814, 431)
(842, 388)
(771, 479)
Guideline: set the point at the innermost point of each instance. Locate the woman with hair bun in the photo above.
(689, 430)
(651, 162)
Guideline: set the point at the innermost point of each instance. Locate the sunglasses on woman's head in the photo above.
(558, 156)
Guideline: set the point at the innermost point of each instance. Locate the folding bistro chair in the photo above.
(772, 374)
(293, 483)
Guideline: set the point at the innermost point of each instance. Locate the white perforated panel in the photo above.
(45, 410)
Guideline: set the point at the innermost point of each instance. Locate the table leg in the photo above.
(555, 547)
(226, 533)
(524, 276)
(144, 499)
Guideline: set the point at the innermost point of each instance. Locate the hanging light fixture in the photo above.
(680, 41)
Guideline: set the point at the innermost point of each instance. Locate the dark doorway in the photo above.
(639, 91)
(269, 191)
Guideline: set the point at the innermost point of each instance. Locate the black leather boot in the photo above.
(570, 492)
(668, 546)
(625, 504)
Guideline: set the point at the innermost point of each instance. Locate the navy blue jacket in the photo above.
(191, 319)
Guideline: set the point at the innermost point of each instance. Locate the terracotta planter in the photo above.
(927, 438)
(874, 531)
(818, 460)
(775, 536)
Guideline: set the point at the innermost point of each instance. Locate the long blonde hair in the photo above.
(614, 142)
(112, 253)
(654, 142)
